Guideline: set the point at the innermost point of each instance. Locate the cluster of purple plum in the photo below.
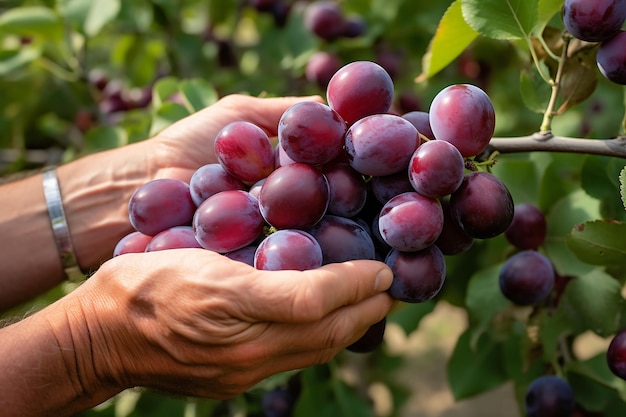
(342, 181)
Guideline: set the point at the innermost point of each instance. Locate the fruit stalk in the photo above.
(546, 124)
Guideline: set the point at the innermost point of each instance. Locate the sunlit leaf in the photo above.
(90, 15)
(453, 35)
(501, 19)
(546, 10)
(166, 115)
(197, 93)
(164, 90)
(31, 21)
(11, 60)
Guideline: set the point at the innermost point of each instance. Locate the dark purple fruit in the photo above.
(549, 396)
(527, 278)
(371, 340)
(528, 228)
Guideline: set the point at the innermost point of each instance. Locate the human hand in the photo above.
(188, 144)
(194, 322)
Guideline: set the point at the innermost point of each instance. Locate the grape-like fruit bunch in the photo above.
(600, 21)
(342, 181)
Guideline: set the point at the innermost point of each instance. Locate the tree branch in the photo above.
(547, 142)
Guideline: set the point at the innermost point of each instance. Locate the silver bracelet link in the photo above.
(58, 222)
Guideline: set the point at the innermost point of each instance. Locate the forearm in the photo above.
(46, 368)
(95, 192)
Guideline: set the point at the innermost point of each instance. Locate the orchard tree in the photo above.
(478, 147)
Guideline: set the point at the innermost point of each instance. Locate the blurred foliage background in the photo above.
(79, 76)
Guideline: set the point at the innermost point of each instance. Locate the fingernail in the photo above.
(383, 280)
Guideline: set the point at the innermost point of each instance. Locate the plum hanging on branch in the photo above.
(563, 61)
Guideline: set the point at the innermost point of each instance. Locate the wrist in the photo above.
(47, 364)
(85, 355)
(96, 200)
(91, 328)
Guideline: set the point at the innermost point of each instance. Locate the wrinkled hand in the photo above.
(188, 144)
(194, 322)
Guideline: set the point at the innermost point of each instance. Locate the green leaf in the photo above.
(599, 242)
(138, 57)
(546, 10)
(166, 115)
(349, 402)
(453, 35)
(100, 13)
(575, 208)
(534, 90)
(622, 185)
(595, 386)
(553, 326)
(561, 176)
(316, 397)
(597, 300)
(138, 15)
(409, 315)
(520, 176)
(90, 15)
(518, 363)
(484, 300)
(596, 176)
(31, 21)
(474, 371)
(198, 94)
(105, 137)
(501, 19)
(11, 60)
(163, 90)
(386, 9)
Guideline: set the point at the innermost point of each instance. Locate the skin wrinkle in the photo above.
(70, 359)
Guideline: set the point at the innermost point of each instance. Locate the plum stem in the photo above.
(546, 124)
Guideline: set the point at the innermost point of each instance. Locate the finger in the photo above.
(312, 344)
(337, 330)
(266, 112)
(308, 296)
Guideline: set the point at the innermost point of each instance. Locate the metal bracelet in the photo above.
(58, 222)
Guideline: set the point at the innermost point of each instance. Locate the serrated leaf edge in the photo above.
(622, 187)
